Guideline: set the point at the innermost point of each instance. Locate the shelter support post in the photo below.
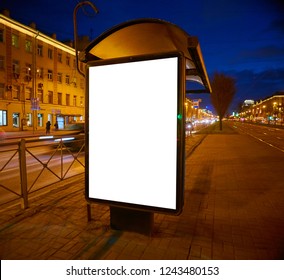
(132, 220)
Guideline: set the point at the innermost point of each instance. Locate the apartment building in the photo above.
(38, 79)
(268, 110)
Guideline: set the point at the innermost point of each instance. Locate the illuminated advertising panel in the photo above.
(135, 133)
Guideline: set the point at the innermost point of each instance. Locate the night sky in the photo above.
(240, 38)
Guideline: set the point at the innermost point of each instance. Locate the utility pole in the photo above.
(34, 93)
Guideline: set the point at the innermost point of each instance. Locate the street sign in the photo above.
(35, 103)
(135, 127)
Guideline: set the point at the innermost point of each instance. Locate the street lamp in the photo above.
(186, 109)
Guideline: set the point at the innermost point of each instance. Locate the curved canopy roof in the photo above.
(149, 36)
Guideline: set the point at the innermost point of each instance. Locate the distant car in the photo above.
(75, 140)
(72, 143)
(188, 127)
(79, 127)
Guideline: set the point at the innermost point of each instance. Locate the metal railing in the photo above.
(30, 165)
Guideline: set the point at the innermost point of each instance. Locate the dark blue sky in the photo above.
(240, 38)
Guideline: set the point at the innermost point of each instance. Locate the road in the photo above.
(271, 136)
(46, 162)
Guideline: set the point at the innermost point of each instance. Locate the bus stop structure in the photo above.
(145, 37)
(150, 36)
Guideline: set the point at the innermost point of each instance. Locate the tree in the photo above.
(223, 91)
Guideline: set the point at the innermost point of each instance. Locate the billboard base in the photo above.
(132, 220)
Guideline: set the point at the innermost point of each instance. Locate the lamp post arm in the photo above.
(79, 5)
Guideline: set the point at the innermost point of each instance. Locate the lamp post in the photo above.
(275, 112)
(186, 109)
(264, 112)
(34, 94)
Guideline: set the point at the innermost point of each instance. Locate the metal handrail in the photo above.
(25, 151)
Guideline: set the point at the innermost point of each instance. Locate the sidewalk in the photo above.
(234, 209)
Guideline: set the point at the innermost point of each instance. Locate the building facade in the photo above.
(38, 79)
(269, 110)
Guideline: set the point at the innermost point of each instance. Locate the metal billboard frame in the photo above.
(180, 138)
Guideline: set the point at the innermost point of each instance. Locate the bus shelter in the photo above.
(136, 77)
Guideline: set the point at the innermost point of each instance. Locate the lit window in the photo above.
(15, 40)
(3, 117)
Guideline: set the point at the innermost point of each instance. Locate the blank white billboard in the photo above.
(133, 131)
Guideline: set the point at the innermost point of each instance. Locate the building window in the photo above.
(1, 35)
(15, 40)
(67, 99)
(75, 100)
(40, 50)
(28, 46)
(59, 98)
(29, 119)
(50, 75)
(68, 60)
(50, 97)
(67, 79)
(39, 73)
(81, 101)
(59, 78)
(28, 93)
(16, 119)
(59, 57)
(50, 53)
(40, 95)
(3, 117)
(16, 92)
(28, 71)
(16, 68)
(40, 120)
(2, 87)
(2, 62)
